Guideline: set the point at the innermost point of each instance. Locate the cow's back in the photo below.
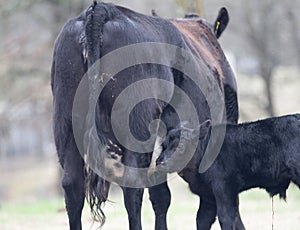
(204, 45)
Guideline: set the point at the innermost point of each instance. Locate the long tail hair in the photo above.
(96, 187)
(96, 194)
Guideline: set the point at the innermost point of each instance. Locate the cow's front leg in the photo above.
(133, 198)
(207, 212)
(160, 197)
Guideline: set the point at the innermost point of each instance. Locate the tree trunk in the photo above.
(190, 6)
(294, 32)
(199, 7)
(267, 76)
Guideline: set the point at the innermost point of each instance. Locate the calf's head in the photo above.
(176, 145)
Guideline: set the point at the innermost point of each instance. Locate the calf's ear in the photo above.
(221, 22)
(204, 128)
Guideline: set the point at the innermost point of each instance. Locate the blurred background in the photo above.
(262, 43)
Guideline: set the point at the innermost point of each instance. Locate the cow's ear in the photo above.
(204, 129)
(221, 22)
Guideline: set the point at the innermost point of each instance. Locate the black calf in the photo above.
(263, 154)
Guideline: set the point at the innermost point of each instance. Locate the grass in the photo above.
(31, 215)
(257, 212)
(255, 206)
(36, 207)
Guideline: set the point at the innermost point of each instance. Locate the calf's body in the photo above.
(263, 154)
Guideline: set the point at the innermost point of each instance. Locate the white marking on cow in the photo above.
(78, 23)
(85, 55)
(86, 166)
(113, 161)
(113, 165)
(118, 148)
(156, 152)
(114, 145)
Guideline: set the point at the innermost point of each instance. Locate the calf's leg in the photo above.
(296, 180)
(207, 212)
(238, 220)
(227, 207)
(294, 167)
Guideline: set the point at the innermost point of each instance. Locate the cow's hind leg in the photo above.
(73, 185)
(133, 198)
(294, 167)
(296, 178)
(160, 197)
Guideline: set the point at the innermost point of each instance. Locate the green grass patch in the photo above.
(45, 208)
(38, 207)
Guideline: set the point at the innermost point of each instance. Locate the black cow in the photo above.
(264, 154)
(97, 31)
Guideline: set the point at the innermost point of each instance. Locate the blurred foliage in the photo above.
(264, 32)
(194, 6)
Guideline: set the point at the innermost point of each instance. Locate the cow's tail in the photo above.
(97, 15)
(96, 187)
(96, 194)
